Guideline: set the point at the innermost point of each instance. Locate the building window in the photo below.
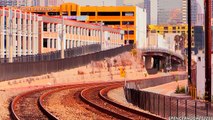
(131, 41)
(165, 28)
(73, 13)
(199, 58)
(127, 13)
(51, 43)
(112, 23)
(88, 13)
(45, 42)
(53, 13)
(108, 13)
(174, 28)
(131, 32)
(128, 23)
(55, 43)
(44, 26)
(89, 34)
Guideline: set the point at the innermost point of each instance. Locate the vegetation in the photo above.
(180, 89)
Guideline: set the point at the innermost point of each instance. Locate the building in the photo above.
(200, 78)
(32, 34)
(199, 37)
(96, 2)
(75, 34)
(169, 9)
(162, 29)
(159, 41)
(132, 19)
(170, 37)
(23, 28)
(194, 11)
(8, 2)
(151, 7)
(45, 2)
(200, 13)
(178, 29)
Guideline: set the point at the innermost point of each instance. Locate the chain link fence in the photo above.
(24, 69)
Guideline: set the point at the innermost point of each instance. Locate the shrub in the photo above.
(180, 90)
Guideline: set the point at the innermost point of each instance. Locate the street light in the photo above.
(62, 39)
(101, 35)
(127, 25)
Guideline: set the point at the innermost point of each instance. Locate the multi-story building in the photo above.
(29, 34)
(74, 34)
(97, 2)
(8, 2)
(46, 2)
(162, 29)
(167, 9)
(193, 11)
(151, 7)
(19, 29)
(130, 18)
(178, 29)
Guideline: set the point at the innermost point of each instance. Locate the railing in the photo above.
(56, 54)
(24, 69)
(154, 49)
(168, 107)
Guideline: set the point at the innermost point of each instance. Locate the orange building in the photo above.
(132, 19)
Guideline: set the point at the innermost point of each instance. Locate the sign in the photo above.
(122, 72)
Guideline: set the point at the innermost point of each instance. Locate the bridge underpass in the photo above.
(161, 60)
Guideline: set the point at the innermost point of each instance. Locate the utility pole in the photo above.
(101, 35)
(62, 39)
(208, 45)
(127, 33)
(189, 43)
(10, 37)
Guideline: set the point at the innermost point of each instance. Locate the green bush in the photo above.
(180, 90)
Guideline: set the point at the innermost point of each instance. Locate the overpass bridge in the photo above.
(161, 59)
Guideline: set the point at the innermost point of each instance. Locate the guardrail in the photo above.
(24, 69)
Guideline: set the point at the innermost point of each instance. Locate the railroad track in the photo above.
(96, 97)
(30, 105)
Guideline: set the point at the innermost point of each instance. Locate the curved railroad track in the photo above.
(96, 97)
(31, 105)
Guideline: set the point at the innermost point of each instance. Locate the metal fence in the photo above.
(23, 69)
(71, 52)
(167, 106)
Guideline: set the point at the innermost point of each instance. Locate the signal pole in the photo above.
(189, 43)
(208, 46)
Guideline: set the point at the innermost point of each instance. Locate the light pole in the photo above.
(62, 39)
(10, 38)
(101, 35)
(127, 25)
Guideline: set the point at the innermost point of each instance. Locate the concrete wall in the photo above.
(140, 27)
(200, 83)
